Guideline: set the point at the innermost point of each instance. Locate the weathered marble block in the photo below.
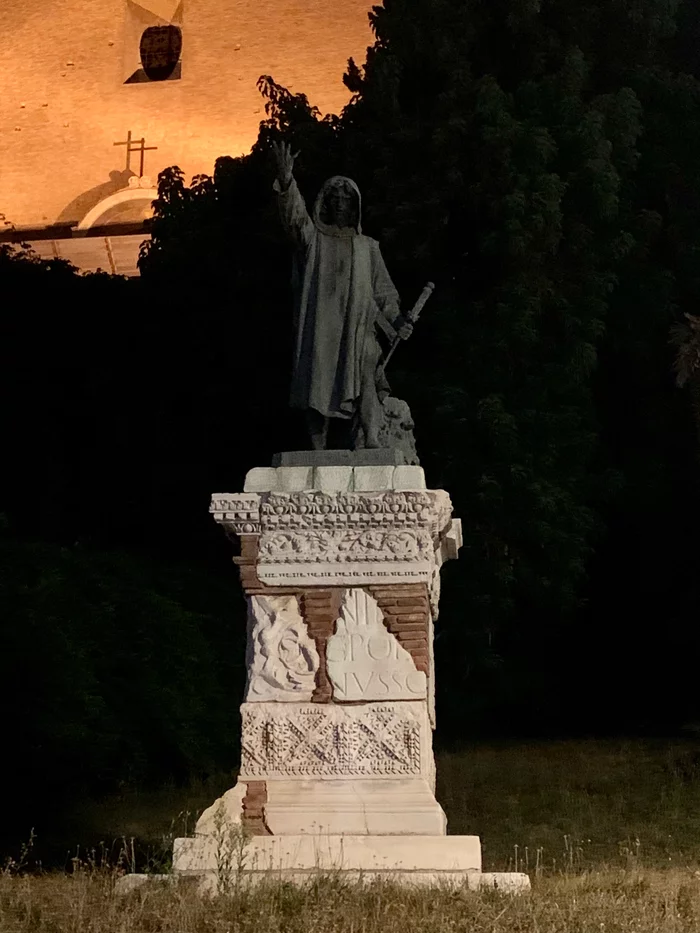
(343, 584)
(282, 659)
(382, 740)
(364, 660)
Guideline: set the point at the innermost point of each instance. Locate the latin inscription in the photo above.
(364, 660)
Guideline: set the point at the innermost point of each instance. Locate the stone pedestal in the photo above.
(340, 565)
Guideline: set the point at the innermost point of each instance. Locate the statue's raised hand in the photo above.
(285, 162)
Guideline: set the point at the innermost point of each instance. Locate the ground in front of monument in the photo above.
(609, 832)
(337, 787)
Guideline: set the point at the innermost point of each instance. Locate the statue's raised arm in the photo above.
(343, 296)
(285, 163)
(293, 213)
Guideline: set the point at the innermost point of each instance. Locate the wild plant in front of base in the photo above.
(232, 840)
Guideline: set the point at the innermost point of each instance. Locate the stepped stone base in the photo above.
(506, 882)
(374, 807)
(428, 860)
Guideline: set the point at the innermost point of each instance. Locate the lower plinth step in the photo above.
(421, 859)
(505, 882)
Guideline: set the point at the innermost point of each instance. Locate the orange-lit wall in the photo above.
(58, 121)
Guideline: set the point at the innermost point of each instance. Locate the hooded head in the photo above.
(338, 207)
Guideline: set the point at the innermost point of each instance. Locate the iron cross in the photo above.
(135, 146)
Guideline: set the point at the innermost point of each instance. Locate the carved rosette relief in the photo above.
(282, 657)
(380, 739)
(364, 660)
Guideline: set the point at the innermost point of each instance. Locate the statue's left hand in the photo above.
(403, 327)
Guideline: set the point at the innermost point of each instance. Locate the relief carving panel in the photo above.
(364, 660)
(282, 657)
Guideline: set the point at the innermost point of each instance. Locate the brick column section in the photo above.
(247, 564)
(253, 816)
(320, 608)
(406, 612)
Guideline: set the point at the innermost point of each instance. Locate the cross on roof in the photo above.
(135, 146)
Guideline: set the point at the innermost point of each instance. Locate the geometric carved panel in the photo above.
(387, 739)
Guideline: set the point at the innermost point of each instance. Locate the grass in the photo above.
(611, 902)
(608, 830)
(576, 804)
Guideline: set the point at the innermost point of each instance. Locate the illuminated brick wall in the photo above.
(64, 103)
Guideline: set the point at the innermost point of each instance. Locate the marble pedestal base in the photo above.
(430, 860)
(374, 807)
(340, 557)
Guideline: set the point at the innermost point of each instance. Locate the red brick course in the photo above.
(253, 817)
(320, 608)
(247, 564)
(406, 615)
(405, 607)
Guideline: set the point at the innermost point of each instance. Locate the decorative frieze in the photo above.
(340, 538)
(345, 545)
(327, 573)
(376, 739)
(251, 513)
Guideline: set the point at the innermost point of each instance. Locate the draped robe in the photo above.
(342, 293)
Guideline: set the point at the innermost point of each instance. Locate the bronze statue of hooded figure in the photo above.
(343, 292)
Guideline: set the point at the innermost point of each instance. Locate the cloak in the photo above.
(342, 292)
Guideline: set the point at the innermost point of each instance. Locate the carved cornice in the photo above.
(237, 513)
(341, 538)
(255, 513)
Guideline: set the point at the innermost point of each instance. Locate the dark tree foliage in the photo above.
(119, 667)
(644, 578)
(522, 156)
(538, 162)
(518, 221)
(554, 147)
(118, 671)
